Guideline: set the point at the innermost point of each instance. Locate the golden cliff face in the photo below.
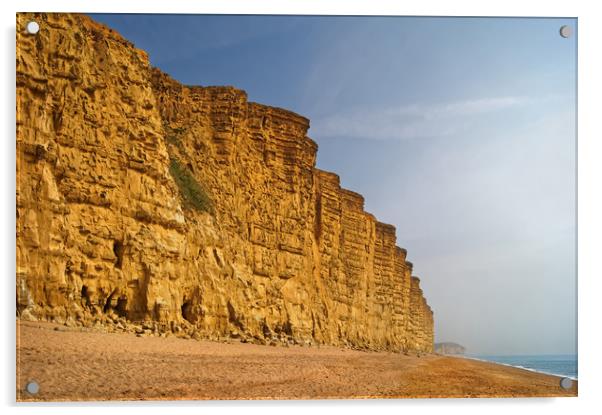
(190, 208)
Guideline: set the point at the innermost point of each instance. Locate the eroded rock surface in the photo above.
(189, 208)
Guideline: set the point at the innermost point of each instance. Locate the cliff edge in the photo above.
(189, 210)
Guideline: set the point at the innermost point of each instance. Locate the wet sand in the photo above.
(70, 364)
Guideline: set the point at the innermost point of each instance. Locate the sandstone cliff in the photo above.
(189, 208)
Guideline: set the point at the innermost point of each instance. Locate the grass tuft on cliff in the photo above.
(175, 140)
(192, 192)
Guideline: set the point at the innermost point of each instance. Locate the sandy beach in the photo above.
(71, 364)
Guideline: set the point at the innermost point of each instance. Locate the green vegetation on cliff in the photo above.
(192, 192)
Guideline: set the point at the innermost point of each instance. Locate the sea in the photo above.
(559, 364)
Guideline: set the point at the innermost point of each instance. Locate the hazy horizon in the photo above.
(458, 131)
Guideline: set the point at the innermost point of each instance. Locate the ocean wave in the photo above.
(522, 367)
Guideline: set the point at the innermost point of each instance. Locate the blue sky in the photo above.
(458, 131)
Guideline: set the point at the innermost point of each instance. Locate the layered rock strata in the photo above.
(106, 225)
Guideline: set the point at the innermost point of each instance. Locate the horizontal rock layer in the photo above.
(106, 147)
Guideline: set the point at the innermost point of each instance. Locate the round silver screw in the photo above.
(566, 383)
(32, 387)
(566, 31)
(32, 27)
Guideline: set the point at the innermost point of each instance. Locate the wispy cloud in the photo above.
(412, 121)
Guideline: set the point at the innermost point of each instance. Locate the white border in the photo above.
(590, 206)
(348, 7)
